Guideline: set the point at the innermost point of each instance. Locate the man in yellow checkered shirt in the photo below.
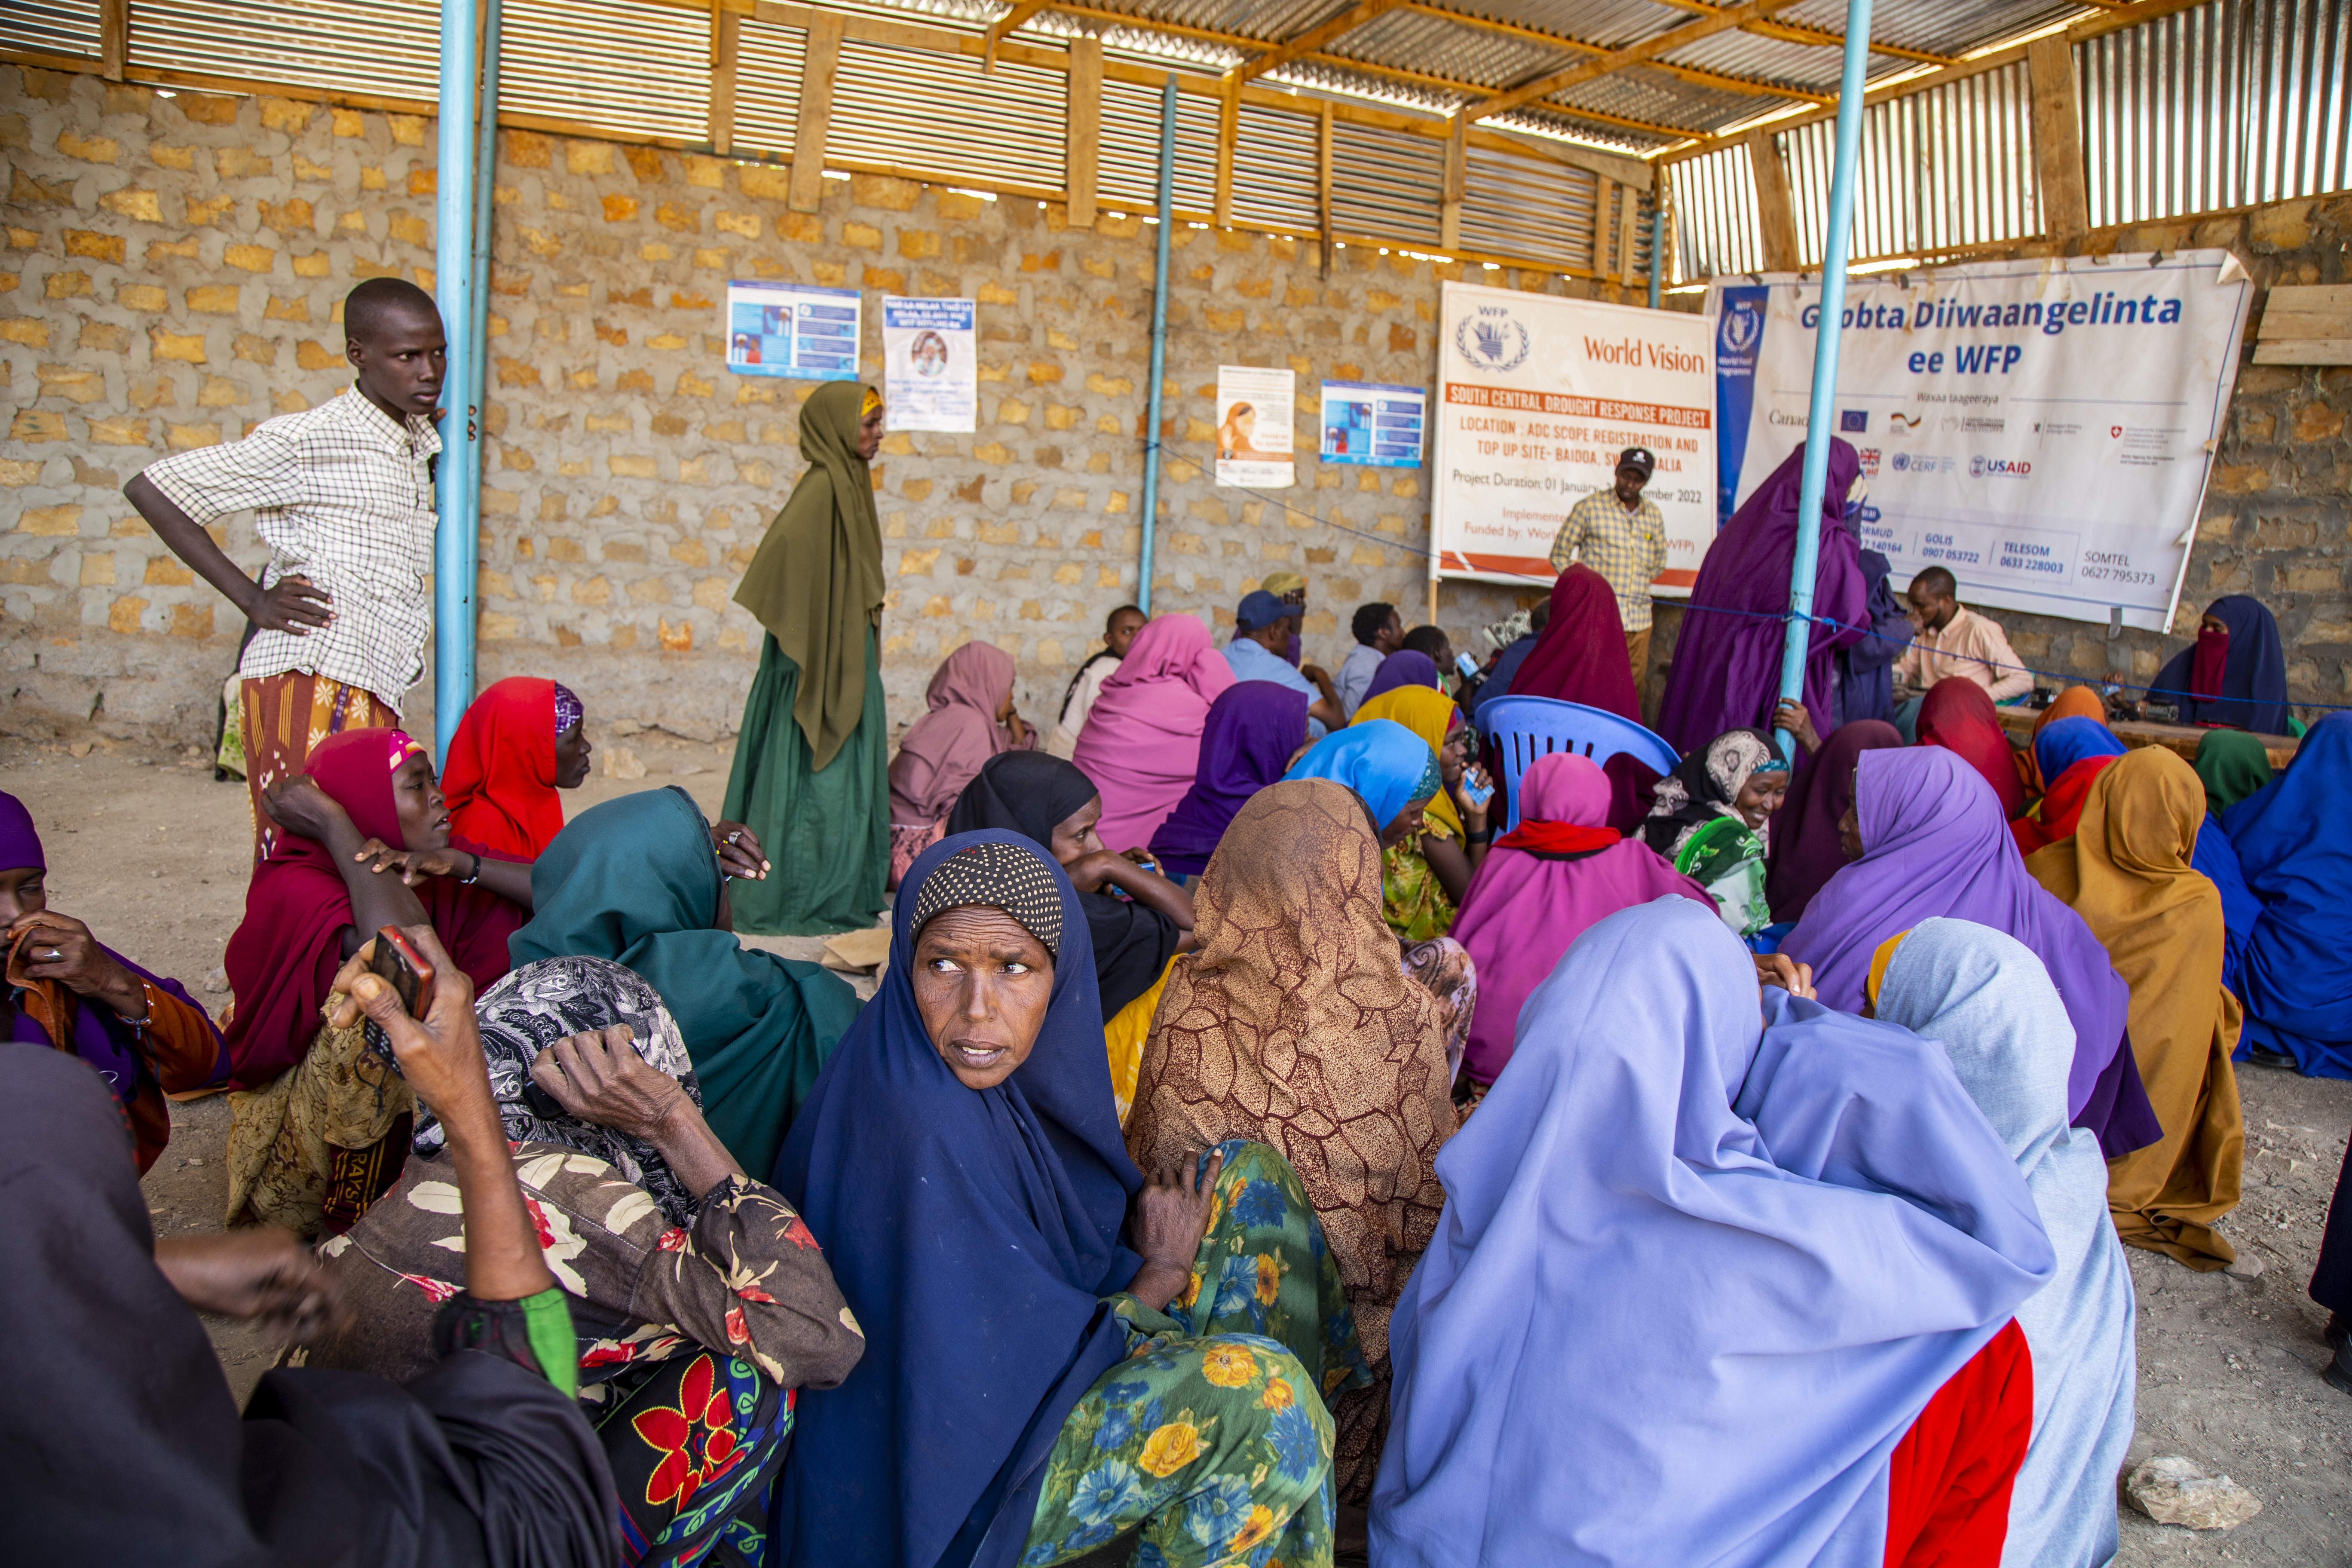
(1620, 534)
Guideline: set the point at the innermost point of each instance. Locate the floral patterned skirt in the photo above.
(1214, 1438)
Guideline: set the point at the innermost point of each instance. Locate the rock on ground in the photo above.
(2174, 1490)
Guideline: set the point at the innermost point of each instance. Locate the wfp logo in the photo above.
(1743, 324)
(2000, 467)
(1491, 339)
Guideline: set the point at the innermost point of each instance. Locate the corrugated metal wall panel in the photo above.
(1276, 181)
(388, 48)
(1513, 206)
(51, 26)
(1717, 230)
(1128, 170)
(768, 63)
(1387, 184)
(940, 115)
(2231, 104)
(633, 70)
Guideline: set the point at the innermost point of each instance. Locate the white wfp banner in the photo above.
(2041, 428)
(1535, 396)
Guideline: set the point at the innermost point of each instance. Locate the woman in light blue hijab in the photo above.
(1987, 1000)
(1391, 769)
(1712, 1259)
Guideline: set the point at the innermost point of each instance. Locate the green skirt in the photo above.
(826, 833)
(1213, 1440)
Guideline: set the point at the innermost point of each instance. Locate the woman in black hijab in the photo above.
(1053, 805)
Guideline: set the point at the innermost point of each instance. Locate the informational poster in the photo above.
(2042, 429)
(1536, 397)
(791, 328)
(930, 369)
(1373, 425)
(1254, 409)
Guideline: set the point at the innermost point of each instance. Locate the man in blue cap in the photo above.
(1262, 630)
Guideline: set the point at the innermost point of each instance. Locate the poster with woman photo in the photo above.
(1253, 434)
(930, 373)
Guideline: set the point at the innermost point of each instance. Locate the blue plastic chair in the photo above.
(1521, 728)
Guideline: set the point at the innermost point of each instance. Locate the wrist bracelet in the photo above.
(475, 876)
(1485, 837)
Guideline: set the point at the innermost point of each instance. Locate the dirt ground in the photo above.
(152, 853)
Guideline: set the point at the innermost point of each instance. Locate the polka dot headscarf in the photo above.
(1000, 876)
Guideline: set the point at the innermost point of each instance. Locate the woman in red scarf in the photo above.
(320, 1124)
(520, 742)
(1580, 657)
(1958, 716)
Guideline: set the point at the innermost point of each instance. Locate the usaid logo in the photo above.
(2000, 467)
(1491, 339)
(1742, 326)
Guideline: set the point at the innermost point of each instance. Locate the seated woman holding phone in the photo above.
(144, 1035)
(695, 1288)
(318, 1124)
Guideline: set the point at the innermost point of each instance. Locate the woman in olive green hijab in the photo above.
(810, 774)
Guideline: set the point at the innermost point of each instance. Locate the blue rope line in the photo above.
(2064, 678)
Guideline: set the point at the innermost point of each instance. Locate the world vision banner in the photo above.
(2042, 429)
(1536, 397)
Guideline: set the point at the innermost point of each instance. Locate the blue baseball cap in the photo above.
(1261, 609)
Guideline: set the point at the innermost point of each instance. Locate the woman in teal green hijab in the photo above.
(810, 774)
(635, 881)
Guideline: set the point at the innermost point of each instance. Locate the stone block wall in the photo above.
(174, 275)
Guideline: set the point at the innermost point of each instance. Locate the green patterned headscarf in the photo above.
(2233, 766)
(817, 583)
(635, 880)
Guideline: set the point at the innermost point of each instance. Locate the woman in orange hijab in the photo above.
(2126, 873)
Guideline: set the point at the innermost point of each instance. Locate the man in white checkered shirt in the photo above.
(342, 494)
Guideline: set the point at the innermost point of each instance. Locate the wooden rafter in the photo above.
(1011, 22)
(1790, 32)
(1315, 38)
(1631, 55)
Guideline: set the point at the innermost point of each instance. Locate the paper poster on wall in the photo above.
(1253, 408)
(791, 328)
(930, 369)
(2041, 428)
(1373, 425)
(1536, 397)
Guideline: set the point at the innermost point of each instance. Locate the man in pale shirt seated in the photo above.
(1379, 633)
(1947, 640)
(1262, 629)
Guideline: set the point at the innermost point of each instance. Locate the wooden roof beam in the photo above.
(1631, 55)
(1792, 32)
(1315, 38)
(1011, 22)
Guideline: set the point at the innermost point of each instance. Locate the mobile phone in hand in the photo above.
(410, 975)
(1476, 789)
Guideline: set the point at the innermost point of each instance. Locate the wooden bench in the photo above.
(2137, 733)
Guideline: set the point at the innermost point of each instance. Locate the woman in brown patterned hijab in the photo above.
(1294, 1025)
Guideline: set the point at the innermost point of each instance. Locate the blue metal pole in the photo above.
(1825, 360)
(1657, 247)
(1159, 338)
(458, 500)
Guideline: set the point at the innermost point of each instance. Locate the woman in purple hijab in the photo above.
(1406, 667)
(1927, 839)
(1727, 668)
(1252, 732)
(141, 1033)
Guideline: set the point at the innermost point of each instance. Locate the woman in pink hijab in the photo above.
(970, 720)
(1541, 885)
(1141, 744)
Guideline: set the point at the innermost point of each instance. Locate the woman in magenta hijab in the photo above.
(970, 719)
(1541, 886)
(1727, 668)
(1581, 654)
(1141, 744)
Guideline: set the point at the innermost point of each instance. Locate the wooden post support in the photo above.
(1629, 213)
(2057, 138)
(726, 32)
(1457, 179)
(1323, 184)
(1775, 215)
(113, 37)
(1082, 148)
(1229, 130)
(817, 68)
(1602, 193)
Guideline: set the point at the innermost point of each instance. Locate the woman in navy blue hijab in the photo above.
(1058, 1350)
(2234, 676)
